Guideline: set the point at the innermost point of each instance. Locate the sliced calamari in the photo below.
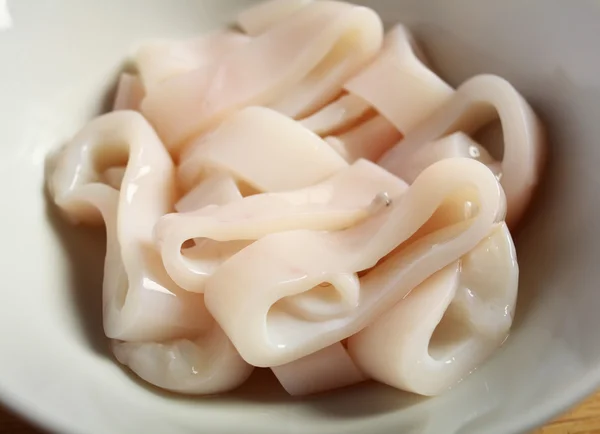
(113, 176)
(341, 113)
(160, 60)
(398, 84)
(262, 148)
(203, 365)
(330, 38)
(368, 140)
(217, 189)
(327, 369)
(141, 304)
(130, 93)
(455, 145)
(475, 103)
(206, 254)
(221, 231)
(448, 325)
(290, 294)
(140, 301)
(264, 15)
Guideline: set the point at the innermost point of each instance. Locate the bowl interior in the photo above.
(60, 61)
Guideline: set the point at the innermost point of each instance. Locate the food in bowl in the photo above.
(305, 195)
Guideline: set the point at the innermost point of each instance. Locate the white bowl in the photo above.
(58, 61)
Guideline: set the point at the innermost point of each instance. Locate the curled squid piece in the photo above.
(307, 56)
(368, 140)
(262, 148)
(140, 301)
(448, 325)
(348, 197)
(262, 16)
(398, 83)
(204, 365)
(141, 304)
(217, 189)
(113, 176)
(455, 145)
(477, 102)
(206, 254)
(327, 369)
(290, 294)
(130, 93)
(160, 60)
(398, 86)
(341, 113)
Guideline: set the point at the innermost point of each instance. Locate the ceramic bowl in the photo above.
(59, 60)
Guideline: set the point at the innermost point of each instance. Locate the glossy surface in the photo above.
(447, 326)
(550, 360)
(274, 315)
(140, 302)
(523, 134)
(290, 52)
(343, 200)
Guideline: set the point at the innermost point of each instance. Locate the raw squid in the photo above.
(204, 365)
(448, 325)
(335, 35)
(476, 102)
(327, 369)
(264, 15)
(399, 84)
(292, 293)
(140, 303)
(266, 150)
(161, 60)
(338, 203)
(455, 145)
(369, 140)
(217, 189)
(341, 113)
(305, 195)
(130, 92)
(113, 176)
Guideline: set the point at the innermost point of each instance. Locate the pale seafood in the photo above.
(217, 189)
(203, 365)
(341, 113)
(113, 176)
(448, 325)
(130, 93)
(369, 140)
(399, 84)
(262, 16)
(455, 145)
(337, 203)
(268, 297)
(333, 35)
(140, 301)
(161, 60)
(266, 150)
(475, 103)
(327, 369)
(263, 230)
(141, 305)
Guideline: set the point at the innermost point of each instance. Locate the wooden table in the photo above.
(585, 419)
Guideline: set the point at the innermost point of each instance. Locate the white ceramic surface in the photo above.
(57, 63)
